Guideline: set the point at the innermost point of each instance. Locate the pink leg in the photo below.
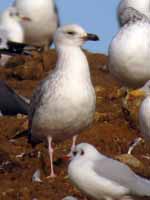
(50, 150)
(74, 142)
(67, 157)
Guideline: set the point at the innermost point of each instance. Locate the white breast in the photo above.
(129, 54)
(68, 102)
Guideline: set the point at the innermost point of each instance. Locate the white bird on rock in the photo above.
(141, 6)
(101, 177)
(44, 21)
(129, 51)
(64, 103)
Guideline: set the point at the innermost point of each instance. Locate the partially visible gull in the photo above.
(10, 102)
(44, 21)
(10, 29)
(130, 49)
(144, 112)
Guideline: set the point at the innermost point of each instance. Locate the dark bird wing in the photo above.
(10, 102)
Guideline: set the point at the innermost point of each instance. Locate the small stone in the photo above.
(69, 198)
(36, 176)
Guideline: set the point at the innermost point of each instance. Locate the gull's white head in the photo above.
(72, 35)
(85, 151)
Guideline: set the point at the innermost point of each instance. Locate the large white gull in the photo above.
(64, 103)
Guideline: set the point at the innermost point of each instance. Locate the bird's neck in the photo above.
(72, 60)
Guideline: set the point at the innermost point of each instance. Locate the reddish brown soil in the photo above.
(112, 132)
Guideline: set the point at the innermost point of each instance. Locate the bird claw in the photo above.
(52, 175)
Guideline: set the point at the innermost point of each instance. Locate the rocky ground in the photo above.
(112, 132)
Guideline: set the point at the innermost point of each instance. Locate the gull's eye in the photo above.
(82, 152)
(71, 33)
(74, 153)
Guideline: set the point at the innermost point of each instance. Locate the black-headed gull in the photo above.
(101, 177)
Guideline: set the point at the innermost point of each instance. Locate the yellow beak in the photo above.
(137, 93)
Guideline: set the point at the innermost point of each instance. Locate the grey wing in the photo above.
(38, 94)
(3, 38)
(115, 171)
(35, 101)
(122, 174)
(131, 15)
(57, 13)
(119, 10)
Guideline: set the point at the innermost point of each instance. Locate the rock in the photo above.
(130, 160)
(49, 60)
(31, 70)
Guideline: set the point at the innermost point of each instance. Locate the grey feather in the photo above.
(123, 175)
(131, 15)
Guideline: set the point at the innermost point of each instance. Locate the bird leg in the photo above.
(134, 144)
(69, 155)
(73, 142)
(50, 150)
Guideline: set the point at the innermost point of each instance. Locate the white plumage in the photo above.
(101, 177)
(141, 6)
(44, 21)
(144, 111)
(10, 24)
(64, 104)
(130, 49)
